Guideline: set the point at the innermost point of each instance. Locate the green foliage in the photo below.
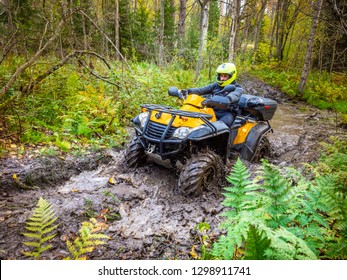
(323, 90)
(87, 240)
(238, 196)
(256, 244)
(40, 229)
(334, 161)
(276, 196)
(69, 110)
(282, 215)
(262, 54)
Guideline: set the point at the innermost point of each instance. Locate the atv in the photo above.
(192, 141)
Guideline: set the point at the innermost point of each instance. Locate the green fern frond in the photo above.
(286, 246)
(226, 248)
(238, 195)
(39, 229)
(87, 240)
(278, 194)
(256, 244)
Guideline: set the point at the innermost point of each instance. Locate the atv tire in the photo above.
(201, 172)
(262, 151)
(134, 153)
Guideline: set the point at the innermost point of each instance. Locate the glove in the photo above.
(216, 101)
(206, 102)
(183, 93)
(232, 98)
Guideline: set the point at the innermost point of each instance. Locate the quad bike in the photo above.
(195, 143)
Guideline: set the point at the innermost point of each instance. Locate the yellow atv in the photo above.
(195, 143)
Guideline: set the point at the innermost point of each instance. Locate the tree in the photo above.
(161, 33)
(181, 24)
(235, 16)
(260, 18)
(308, 58)
(35, 57)
(116, 29)
(204, 12)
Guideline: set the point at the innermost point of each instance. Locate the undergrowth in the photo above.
(71, 110)
(323, 90)
(283, 214)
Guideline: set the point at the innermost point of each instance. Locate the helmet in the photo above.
(226, 68)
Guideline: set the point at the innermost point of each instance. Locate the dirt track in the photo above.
(145, 219)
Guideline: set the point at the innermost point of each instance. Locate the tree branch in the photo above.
(37, 55)
(107, 38)
(75, 53)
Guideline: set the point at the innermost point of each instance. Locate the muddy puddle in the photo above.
(145, 218)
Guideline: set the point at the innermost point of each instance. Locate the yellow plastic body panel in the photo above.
(191, 104)
(242, 132)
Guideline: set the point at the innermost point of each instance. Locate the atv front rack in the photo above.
(176, 112)
(162, 137)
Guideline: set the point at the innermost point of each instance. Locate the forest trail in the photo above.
(145, 218)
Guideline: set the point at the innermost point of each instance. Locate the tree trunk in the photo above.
(161, 34)
(205, 7)
(181, 25)
(258, 28)
(11, 26)
(232, 38)
(307, 63)
(273, 22)
(221, 16)
(116, 30)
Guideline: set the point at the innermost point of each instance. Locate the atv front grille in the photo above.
(156, 130)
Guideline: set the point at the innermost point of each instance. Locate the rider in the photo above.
(226, 75)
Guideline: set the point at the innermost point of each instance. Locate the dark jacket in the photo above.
(215, 88)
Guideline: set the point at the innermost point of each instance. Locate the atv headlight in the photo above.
(181, 132)
(143, 117)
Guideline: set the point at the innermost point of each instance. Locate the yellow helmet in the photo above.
(226, 68)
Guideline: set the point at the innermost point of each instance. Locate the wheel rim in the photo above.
(263, 150)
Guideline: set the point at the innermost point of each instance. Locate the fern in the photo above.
(278, 195)
(336, 215)
(87, 240)
(231, 245)
(256, 244)
(40, 227)
(286, 246)
(238, 196)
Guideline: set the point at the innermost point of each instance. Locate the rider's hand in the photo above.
(183, 93)
(233, 98)
(205, 102)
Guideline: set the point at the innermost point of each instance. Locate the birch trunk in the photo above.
(308, 57)
(205, 7)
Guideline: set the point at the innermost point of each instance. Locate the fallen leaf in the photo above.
(111, 181)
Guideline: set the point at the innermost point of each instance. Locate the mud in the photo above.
(145, 219)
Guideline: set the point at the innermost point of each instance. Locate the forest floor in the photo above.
(142, 215)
